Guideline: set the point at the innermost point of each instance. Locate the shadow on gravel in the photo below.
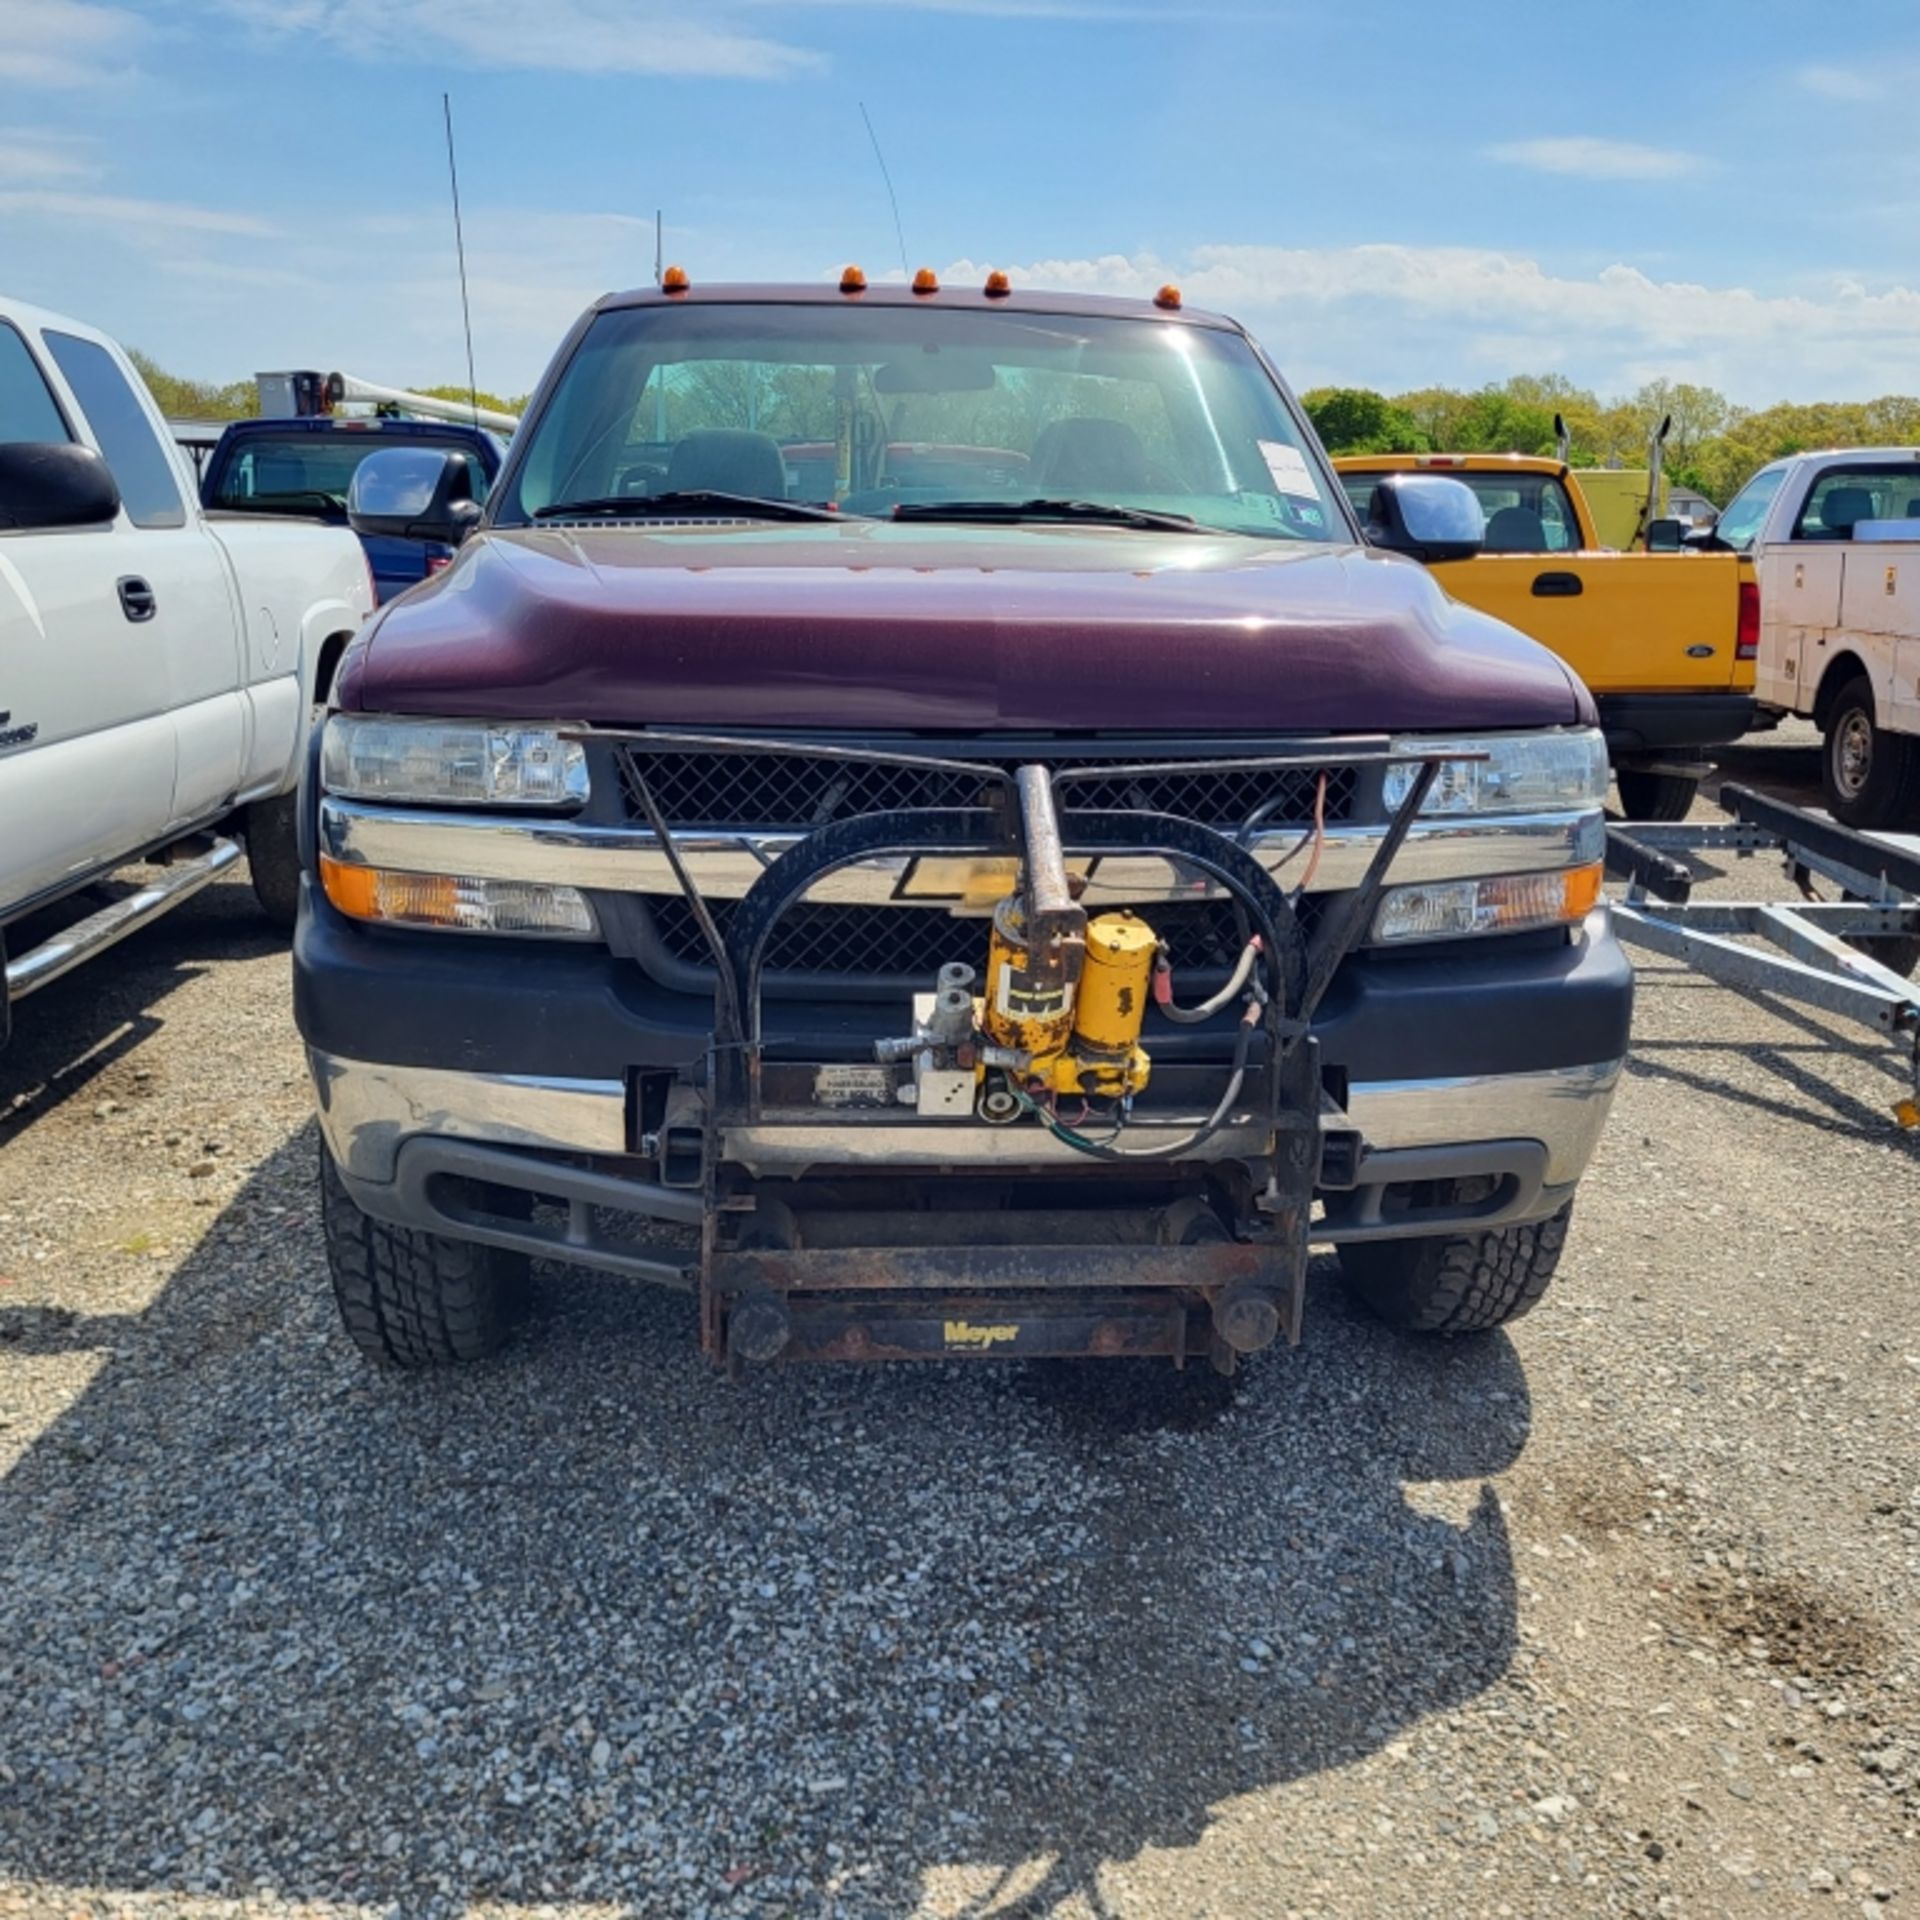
(69, 1034)
(591, 1624)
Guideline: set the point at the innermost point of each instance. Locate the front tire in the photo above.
(273, 857)
(1871, 777)
(1456, 1283)
(1645, 795)
(410, 1299)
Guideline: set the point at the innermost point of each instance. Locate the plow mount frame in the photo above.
(996, 1251)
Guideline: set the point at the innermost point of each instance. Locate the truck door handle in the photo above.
(1557, 586)
(136, 599)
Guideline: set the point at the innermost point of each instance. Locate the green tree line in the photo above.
(1714, 446)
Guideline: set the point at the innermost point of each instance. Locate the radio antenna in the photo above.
(460, 249)
(659, 250)
(892, 198)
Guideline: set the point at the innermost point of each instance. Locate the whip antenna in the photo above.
(460, 249)
(892, 198)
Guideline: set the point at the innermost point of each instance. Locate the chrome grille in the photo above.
(775, 792)
(908, 944)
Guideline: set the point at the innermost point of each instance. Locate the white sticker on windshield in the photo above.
(1288, 466)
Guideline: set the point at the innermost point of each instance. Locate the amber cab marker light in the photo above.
(675, 280)
(1168, 297)
(998, 285)
(926, 281)
(853, 281)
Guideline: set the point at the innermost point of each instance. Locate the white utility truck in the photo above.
(1834, 540)
(159, 666)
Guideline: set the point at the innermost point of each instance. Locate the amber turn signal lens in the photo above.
(675, 280)
(853, 280)
(1503, 903)
(997, 285)
(926, 281)
(450, 901)
(1168, 297)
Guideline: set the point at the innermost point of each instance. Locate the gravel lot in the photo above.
(1614, 1616)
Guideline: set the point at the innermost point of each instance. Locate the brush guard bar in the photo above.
(843, 1256)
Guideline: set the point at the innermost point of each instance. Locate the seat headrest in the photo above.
(1516, 530)
(727, 460)
(1089, 453)
(1844, 507)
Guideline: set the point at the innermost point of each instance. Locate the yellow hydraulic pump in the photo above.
(1080, 1035)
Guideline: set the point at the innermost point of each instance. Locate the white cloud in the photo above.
(65, 43)
(132, 219)
(1398, 316)
(30, 154)
(665, 37)
(1592, 159)
(1839, 83)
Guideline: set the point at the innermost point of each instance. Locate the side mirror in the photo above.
(1665, 536)
(49, 484)
(1426, 517)
(413, 493)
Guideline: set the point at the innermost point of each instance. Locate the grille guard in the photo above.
(762, 1294)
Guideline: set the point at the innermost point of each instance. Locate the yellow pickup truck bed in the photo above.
(1658, 637)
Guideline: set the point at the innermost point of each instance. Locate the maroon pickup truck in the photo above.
(998, 905)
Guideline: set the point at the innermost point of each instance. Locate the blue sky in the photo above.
(1391, 195)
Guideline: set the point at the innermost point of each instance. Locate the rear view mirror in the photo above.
(49, 484)
(1427, 517)
(1665, 536)
(933, 372)
(413, 493)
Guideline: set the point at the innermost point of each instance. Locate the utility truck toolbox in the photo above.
(957, 906)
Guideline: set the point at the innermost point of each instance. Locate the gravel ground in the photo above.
(1613, 1616)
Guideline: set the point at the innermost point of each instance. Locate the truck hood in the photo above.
(875, 624)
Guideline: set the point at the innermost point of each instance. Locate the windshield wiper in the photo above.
(1067, 512)
(657, 506)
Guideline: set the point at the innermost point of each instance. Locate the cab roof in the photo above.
(1449, 463)
(898, 293)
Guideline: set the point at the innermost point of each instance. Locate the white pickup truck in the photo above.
(1834, 542)
(159, 667)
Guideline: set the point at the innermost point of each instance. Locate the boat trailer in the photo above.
(1848, 955)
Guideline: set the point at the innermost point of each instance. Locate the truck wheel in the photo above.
(273, 857)
(1871, 777)
(1457, 1283)
(412, 1299)
(1655, 796)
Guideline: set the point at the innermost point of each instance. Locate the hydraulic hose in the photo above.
(1192, 1016)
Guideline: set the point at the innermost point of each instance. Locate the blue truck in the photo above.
(305, 466)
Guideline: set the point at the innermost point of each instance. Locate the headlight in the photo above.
(1506, 903)
(451, 763)
(1523, 772)
(457, 904)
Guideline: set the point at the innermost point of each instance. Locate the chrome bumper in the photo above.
(367, 1111)
(725, 864)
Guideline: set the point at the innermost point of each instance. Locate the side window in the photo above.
(1844, 496)
(141, 465)
(1556, 517)
(28, 412)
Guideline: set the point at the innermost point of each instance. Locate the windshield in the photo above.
(311, 472)
(1525, 512)
(873, 408)
(1739, 526)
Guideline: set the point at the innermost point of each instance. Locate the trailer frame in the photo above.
(1810, 955)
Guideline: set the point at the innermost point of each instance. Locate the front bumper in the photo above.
(394, 1131)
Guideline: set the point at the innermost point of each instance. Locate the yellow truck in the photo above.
(1666, 641)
